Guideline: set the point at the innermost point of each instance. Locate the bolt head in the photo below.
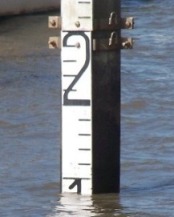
(77, 24)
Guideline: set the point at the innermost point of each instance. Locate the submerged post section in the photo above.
(90, 62)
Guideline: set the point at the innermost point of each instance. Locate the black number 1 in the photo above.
(66, 100)
(77, 182)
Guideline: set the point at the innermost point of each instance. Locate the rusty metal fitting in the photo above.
(127, 43)
(113, 18)
(54, 42)
(113, 38)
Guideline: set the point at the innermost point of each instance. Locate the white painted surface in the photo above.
(76, 119)
(80, 12)
(76, 96)
(10, 7)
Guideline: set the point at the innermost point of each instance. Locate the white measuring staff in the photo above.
(76, 96)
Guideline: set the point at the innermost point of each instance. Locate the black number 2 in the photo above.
(66, 100)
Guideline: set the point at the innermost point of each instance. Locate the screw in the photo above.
(127, 45)
(128, 24)
(77, 45)
(53, 23)
(77, 23)
(53, 44)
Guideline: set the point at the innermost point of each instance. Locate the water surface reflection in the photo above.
(107, 205)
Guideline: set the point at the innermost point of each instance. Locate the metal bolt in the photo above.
(127, 44)
(128, 24)
(53, 44)
(53, 23)
(77, 23)
(77, 45)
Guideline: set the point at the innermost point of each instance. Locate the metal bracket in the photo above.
(54, 42)
(54, 22)
(113, 19)
(112, 23)
(127, 23)
(112, 44)
(127, 43)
